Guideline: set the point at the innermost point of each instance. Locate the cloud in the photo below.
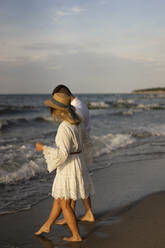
(103, 2)
(77, 9)
(142, 51)
(24, 59)
(68, 12)
(42, 51)
(60, 47)
(55, 67)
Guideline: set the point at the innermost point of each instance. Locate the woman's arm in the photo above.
(56, 157)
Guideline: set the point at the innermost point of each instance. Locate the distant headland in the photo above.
(158, 90)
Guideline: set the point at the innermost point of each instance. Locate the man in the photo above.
(83, 112)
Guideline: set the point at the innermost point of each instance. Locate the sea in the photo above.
(124, 128)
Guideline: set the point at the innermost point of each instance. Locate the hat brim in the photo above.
(49, 103)
(72, 118)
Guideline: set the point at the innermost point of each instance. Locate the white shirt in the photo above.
(82, 111)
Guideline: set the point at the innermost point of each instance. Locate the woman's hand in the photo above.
(39, 147)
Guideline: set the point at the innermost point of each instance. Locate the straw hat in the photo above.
(61, 101)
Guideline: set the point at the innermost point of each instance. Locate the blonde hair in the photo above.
(60, 115)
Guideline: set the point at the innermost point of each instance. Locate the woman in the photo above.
(72, 180)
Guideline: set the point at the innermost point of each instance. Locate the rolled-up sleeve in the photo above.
(56, 157)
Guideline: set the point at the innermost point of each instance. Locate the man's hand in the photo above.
(39, 147)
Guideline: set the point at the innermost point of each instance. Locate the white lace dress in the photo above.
(72, 180)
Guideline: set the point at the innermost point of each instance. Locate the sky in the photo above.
(92, 46)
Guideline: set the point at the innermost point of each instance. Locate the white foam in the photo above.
(47, 118)
(142, 132)
(148, 106)
(26, 172)
(107, 143)
(98, 105)
(158, 130)
(128, 112)
(125, 101)
(6, 147)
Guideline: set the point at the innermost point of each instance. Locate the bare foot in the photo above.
(88, 217)
(73, 239)
(61, 222)
(43, 229)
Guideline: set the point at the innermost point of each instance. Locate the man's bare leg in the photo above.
(54, 214)
(63, 221)
(89, 214)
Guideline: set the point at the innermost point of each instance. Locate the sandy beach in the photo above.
(139, 223)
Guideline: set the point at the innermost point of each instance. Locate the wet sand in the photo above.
(139, 224)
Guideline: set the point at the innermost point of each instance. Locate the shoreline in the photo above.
(149, 92)
(134, 222)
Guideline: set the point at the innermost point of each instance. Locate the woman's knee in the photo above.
(65, 204)
(57, 202)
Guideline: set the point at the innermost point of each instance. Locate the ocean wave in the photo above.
(131, 104)
(112, 104)
(23, 206)
(13, 212)
(126, 104)
(107, 143)
(22, 121)
(26, 172)
(98, 105)
(149, 132)
(16, 109)
(12, 123)
(150, 106)
(124, 113)
(43, 118)
(102, 145)
(6, 147)
(3, 124)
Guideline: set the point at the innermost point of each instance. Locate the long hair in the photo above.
(60, 115)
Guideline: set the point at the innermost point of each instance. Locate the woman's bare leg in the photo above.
(89, 214)
(71, 220)
(55, 212)
(63, 221)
